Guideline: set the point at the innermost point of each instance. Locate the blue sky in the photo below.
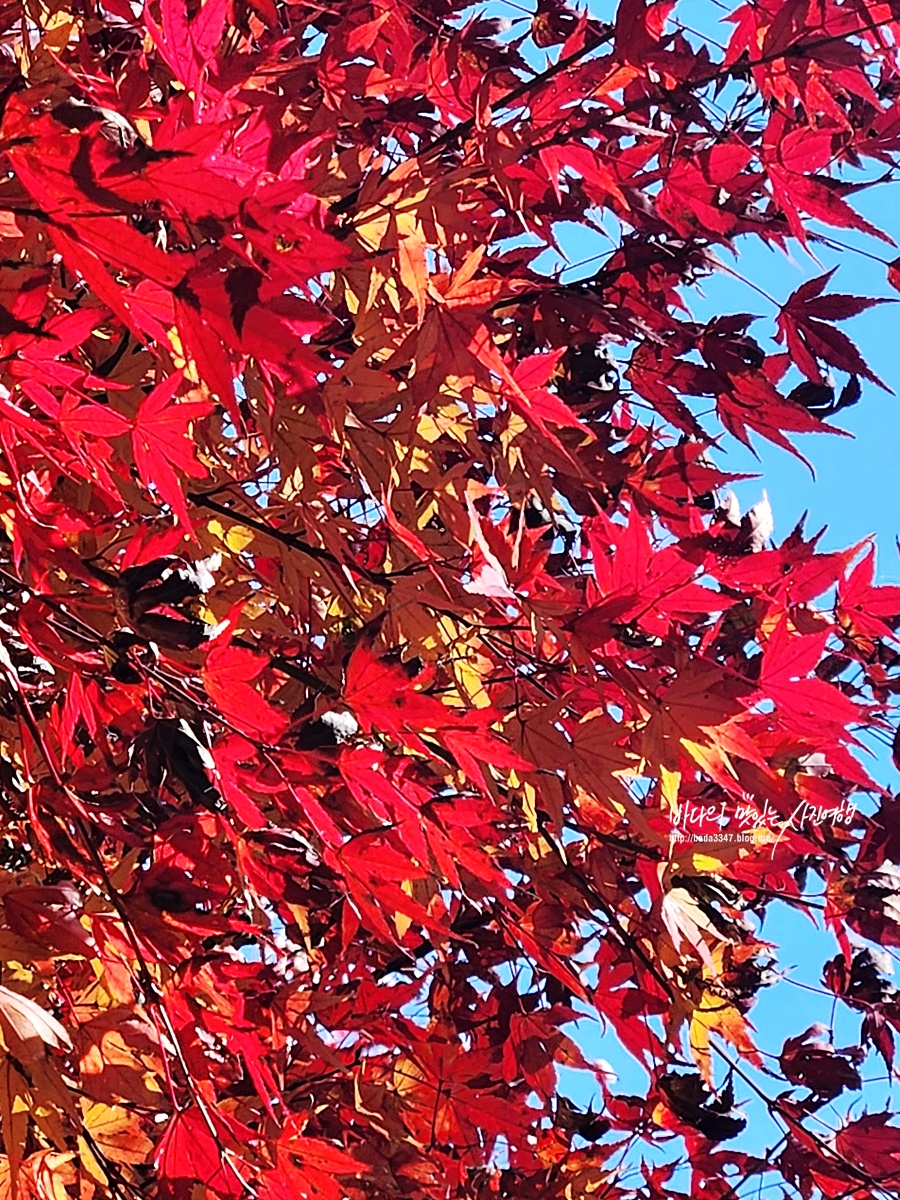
(852, 493)
(853, 489)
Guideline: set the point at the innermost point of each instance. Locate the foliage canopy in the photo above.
(374, 609)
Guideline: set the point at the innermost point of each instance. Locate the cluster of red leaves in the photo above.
(362, 644)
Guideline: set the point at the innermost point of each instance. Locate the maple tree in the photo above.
(374, 605)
